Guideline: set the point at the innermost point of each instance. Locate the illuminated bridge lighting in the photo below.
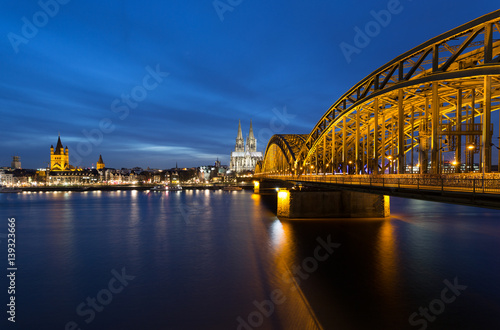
(435, 99)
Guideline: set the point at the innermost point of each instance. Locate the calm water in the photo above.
(222, 260)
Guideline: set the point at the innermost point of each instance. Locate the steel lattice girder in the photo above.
(441, 61)
(288, 145)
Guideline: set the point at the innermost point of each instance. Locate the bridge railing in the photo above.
(457, 184)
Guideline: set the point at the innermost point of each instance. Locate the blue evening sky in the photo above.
(193, 72)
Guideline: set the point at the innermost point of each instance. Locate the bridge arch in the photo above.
(430, 105)
(281, 154)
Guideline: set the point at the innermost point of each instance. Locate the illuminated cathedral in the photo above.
(245, 155)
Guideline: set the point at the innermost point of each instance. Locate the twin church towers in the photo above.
(245, 155)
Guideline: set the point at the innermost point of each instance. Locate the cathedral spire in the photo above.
(240, 143)
(240, 135)
(250, 136)
(251, 141)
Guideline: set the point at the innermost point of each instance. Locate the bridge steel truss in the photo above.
(281, 153)
(409, 114)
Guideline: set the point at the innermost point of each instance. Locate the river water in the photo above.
(201, 259)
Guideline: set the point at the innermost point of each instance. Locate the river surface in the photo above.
(201, 259)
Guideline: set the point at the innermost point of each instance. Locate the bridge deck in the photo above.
(458, 190)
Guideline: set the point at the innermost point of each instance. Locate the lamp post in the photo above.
(390, 163)
(471, 147)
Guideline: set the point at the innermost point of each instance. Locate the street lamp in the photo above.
(471, 147)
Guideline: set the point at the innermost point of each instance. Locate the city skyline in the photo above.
(159, 84)
(60, 144)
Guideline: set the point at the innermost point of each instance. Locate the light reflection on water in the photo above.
(204, 258)
(387, 256)
(277, 234)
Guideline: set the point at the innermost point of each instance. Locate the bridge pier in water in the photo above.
(331, 204)
(256, 187)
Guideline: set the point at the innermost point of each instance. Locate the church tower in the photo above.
(251, 140)
(16, 162)
(100, 164)
(59, 157)
(240, 147)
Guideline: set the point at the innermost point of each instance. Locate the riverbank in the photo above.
(122, 187)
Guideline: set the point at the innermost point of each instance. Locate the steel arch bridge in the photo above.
(427, 111)
(281, 152)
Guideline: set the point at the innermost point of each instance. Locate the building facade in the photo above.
(245, 155)
(6, 179)
(73, 177)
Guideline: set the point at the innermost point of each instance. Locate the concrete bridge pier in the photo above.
(269, 187)
(256, 187)
(331, 204)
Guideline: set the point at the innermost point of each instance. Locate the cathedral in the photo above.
(245, 155)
